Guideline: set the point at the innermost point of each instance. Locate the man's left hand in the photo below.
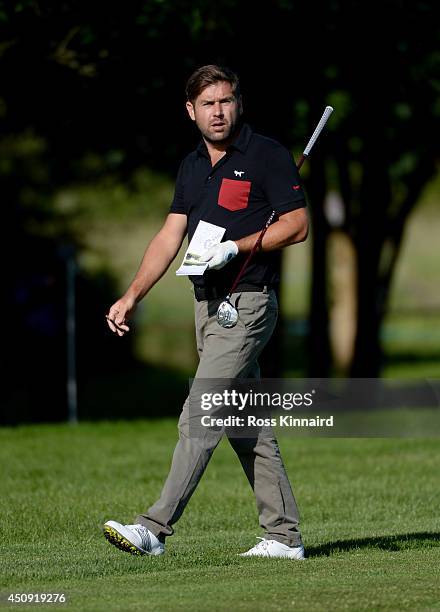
(218, 256)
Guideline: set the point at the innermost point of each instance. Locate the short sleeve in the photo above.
(178, 203)
(282, 184)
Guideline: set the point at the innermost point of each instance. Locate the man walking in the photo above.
(234, 179)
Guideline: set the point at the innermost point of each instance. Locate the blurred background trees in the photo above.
(93, 127)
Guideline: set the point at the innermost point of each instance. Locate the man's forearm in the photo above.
(289, 229)
(155, 262)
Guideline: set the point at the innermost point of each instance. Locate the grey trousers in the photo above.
(230, 353)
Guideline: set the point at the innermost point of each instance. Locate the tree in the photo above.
(385, 151)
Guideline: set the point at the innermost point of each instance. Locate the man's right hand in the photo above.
(119, 314)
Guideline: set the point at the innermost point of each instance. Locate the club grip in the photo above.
(325, 115)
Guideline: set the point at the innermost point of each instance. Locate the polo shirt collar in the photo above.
(240, 143)
(242, 139)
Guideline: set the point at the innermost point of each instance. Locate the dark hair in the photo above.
(209, 75)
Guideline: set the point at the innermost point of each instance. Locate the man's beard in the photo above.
(231, 133)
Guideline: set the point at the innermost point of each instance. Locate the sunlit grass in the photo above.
(368, 510)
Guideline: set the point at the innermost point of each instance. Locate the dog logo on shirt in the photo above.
(239, 173)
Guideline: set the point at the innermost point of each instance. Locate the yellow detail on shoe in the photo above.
(117, 540)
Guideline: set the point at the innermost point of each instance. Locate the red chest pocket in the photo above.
(234, 195)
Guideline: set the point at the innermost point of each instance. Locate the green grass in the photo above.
(369, 521)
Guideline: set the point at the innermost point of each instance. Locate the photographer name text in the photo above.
(253, 421)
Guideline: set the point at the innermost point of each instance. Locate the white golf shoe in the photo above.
(272, 548)
(135, 539)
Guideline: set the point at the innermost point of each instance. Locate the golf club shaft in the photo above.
(325, 115)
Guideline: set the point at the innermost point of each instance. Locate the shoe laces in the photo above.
(142, 532)
(262, 546)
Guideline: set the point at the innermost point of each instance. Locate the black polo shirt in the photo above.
(257, 175)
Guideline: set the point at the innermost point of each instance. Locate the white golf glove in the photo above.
(219, 255)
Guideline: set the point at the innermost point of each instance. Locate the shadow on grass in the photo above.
(135, 392)
(391, 543)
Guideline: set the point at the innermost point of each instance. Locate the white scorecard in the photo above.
(206, 236)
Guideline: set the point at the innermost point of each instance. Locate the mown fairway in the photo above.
(370, 520)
